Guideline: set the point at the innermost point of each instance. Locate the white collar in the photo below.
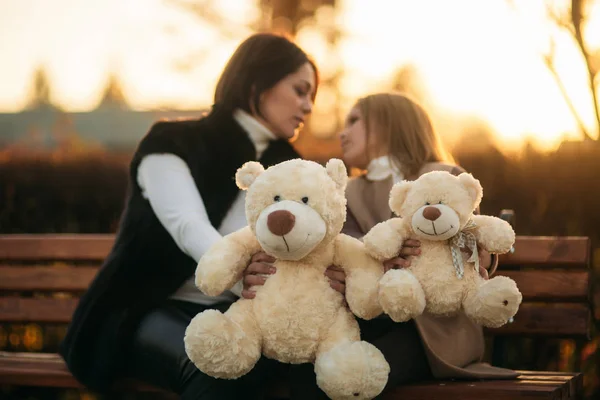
(259, 134)
(382, 167)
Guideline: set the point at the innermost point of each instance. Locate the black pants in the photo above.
(158, 357)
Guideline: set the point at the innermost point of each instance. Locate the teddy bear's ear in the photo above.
(247, 173)
(473, 187)
(398, 195)
(337, 171)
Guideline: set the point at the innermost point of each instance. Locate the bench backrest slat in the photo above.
(558, 319)
(566, 251)
(46, 278)
(551, 285)
(48, 310)
(50, 247)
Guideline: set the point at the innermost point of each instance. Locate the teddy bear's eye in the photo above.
(277, 198)
(440, 202)
(427, 203)
(305, 200)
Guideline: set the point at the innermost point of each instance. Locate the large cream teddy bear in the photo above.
(295, 212)
(438, 209)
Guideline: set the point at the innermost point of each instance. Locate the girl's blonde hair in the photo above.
(404, 128)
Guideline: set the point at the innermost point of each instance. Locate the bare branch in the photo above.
(560, 19)
(549, 61)
(577, 19)
(573, 21)
(595, 63)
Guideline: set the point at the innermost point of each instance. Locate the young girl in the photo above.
(391, 138)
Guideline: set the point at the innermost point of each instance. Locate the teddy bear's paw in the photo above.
(219, 347)
(494, 234)
(212, 277)
(382, 242)
(494, 303)
(355, 370)
(401, 295)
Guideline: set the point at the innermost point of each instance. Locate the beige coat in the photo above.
(454, 345)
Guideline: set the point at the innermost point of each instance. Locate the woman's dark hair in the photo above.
(258, 64)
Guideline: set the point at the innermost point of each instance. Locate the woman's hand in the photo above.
(410, 248)
(261, 266)
(257, 272)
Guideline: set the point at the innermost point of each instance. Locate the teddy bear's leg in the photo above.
(401, 295)
(494, 302)
(346, 367)
(224, 345)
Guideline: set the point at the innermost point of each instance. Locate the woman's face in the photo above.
(285, 106)
(353, 139)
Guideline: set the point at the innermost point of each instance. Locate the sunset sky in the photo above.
(481, 58)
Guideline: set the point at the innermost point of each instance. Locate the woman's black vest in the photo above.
(145, 266)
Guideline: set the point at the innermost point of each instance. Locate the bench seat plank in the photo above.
(49, 370)
(528, 386)
(35, 369)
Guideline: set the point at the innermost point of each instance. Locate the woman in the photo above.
(390, 137)
(182, 198)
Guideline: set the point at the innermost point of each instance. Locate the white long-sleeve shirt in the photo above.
(167, 183)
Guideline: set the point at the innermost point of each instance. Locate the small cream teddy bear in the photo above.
(437, 209)
(295, 212)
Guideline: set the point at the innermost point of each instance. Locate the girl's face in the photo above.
(285, 106)
(353, 138)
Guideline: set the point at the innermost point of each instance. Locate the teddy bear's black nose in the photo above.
(431, 213)
(281, 222)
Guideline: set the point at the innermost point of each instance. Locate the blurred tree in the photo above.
(573, 20)
(113, 94)
(287, 16)
(40, 96)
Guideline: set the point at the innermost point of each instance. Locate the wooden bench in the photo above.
(41, 277)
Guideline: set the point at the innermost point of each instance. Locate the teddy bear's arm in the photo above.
(224, 262)
(363, 273)
(493, 234)
(385, 239)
